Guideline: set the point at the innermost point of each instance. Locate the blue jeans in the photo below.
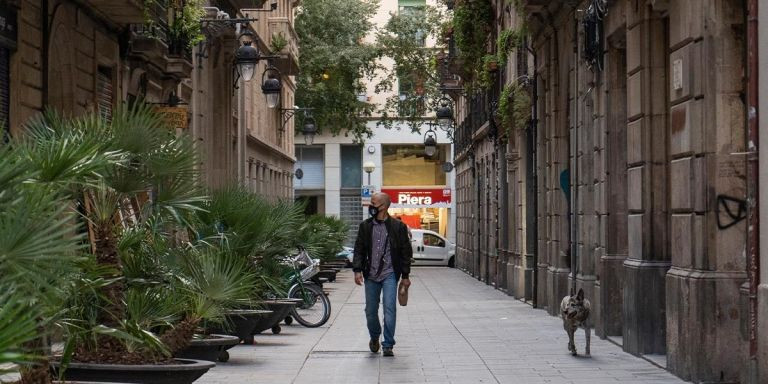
(373, 292)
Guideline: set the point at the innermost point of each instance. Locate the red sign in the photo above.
(419, 197)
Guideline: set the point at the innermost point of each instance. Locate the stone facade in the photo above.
(620, 181)
(81, 56)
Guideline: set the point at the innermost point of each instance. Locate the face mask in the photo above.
(373, 211)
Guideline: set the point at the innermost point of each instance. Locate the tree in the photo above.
(334, 59)
(415, 68)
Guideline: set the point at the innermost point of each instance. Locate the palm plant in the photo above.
(322, 236)
(117, 173)
(257, 230)
(38, 234)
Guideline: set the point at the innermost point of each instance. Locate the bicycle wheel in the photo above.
(315, 308)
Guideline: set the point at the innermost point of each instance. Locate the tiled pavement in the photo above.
(454, 330)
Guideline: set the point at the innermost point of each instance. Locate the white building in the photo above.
(421, 189)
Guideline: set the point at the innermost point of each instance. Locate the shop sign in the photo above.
(419, 197)
(174, 117)
(8, 25)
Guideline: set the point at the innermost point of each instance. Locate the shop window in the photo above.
(407, 165)
(351, 166)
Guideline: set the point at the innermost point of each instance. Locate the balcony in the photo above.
(155, 43)
(119, 11)
(288, 63)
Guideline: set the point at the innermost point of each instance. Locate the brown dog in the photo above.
(575, 312)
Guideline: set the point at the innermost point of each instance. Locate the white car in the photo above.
(429, 248)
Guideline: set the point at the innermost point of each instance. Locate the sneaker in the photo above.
(388, 352)
(374, 345)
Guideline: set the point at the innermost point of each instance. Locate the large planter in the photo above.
(241, 323)
(213, 348)
(185, 372)
(280, 310)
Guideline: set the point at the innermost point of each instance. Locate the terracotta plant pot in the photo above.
(185, 372)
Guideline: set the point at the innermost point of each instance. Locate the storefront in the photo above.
(421, 208)
(417, 185)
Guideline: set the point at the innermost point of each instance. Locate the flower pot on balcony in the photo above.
(183, 371)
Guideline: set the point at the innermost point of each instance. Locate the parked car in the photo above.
(429, 248)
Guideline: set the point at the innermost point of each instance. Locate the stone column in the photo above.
(707, 133)
(332, 165)
(613, 193)
(644, 327)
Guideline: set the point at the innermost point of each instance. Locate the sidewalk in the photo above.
(454, 330)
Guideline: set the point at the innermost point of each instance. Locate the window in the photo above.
(414, 8)
(310, 161)
(431, 240)
(351, 166)
(407, 165)
(105, 92)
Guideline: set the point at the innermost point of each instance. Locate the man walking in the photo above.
(382, 256)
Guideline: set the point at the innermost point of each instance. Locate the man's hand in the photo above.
(359, 278)
(406, 282)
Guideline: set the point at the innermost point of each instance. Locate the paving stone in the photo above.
(454, 330)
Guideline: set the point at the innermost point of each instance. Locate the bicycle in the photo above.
(313, 308)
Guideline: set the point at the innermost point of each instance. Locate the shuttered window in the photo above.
(105, 92)
(310, 160)
(5, 92)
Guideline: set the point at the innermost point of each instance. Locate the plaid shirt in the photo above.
(380, 253)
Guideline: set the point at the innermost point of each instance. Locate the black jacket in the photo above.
(399, 245)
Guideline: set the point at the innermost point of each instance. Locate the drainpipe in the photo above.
(534, 148)
(753, 222)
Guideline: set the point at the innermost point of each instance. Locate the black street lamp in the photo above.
(310, 129)
(247, 56)
(430, 143)
(444, 114)
(271, 86)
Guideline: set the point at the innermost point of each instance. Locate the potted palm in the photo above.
(119, 174)
(38, 234)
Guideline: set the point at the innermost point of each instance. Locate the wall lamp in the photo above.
(309, 129)
(430, 142)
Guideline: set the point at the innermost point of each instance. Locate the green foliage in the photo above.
(322, 236)
(332, 41)
(472, 24)
(185, 26)
(509, 39)
(278, 42)
(401, 39)
(514, 106)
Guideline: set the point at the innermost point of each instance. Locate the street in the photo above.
(455, 329)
